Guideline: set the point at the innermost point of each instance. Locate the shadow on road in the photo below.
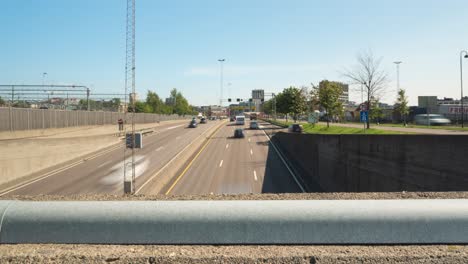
(277, 178)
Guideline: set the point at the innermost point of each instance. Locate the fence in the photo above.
(13, 119)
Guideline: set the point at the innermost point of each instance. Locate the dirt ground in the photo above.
(47, 253)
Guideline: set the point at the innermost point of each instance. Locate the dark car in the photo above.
(295, 128)
(193, 124)
(239, 133)
(232, 119)
(203, 120)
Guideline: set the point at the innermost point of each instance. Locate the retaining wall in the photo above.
(378, 163)
(13, 119)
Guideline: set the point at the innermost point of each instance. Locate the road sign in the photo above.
(364, 116)
(313, 117)
(363, 107)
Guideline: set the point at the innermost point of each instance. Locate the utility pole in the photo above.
(461, 84)
(87, 97)
(221, 81)
(129, 173)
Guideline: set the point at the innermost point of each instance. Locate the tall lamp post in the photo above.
(463, 54)
(397, 63)
(221, 81)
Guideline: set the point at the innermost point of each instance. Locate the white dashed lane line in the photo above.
(255, 176)
(227, 145)
(221, 164)
(251, 152)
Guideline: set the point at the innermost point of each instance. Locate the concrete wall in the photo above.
(14, 119)
(378, 163)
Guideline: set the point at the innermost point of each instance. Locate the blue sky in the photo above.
(267, 44)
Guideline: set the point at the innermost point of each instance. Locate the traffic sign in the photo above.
(364, 116)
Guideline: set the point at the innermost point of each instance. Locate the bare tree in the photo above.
(367, 73)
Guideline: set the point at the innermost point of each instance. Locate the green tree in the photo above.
(292, 101)
(327, 96)
(401, 105)
(268, 107)
(181, 105)
(376, 112)
(155, 102)
(2, 102)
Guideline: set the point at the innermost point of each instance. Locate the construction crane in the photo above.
(129, 164)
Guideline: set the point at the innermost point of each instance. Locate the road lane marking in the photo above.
(160, 148)
(249, 139)
(227, 145)
(255, 176)
(172, 127)
(221, 164)
(251, 152)
(189, 165)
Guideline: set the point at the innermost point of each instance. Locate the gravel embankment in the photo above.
(285, 196)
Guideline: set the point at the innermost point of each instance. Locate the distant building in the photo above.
(448, 107)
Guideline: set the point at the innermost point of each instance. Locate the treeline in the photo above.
(177, 104)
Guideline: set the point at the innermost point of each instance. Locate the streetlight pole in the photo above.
(43, 77)
(463, 54)
(398, 73)
(397, 63)
(221, 81)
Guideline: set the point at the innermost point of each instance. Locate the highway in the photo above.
(103, 174)
(227, 165)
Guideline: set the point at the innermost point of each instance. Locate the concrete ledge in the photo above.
(236, 222)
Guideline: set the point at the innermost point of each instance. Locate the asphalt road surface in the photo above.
(104, 174)
(227, 165)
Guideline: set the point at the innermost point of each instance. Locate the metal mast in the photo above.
(129, 165)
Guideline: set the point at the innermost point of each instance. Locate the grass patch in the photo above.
(336, 130)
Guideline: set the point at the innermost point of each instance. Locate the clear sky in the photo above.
(267, 44)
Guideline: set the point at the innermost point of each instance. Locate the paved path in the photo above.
(405, 129)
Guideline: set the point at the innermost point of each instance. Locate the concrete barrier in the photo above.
(377, 163)
(236, 222)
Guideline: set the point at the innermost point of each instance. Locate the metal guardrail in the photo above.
(236, 222)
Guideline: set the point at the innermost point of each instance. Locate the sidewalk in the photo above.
(403, 129)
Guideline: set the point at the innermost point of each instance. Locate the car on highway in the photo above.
(193, 124)
(295, 128)
(240, 120)
(239, 133)
(253, 125)
(203, 120)
(431, 119)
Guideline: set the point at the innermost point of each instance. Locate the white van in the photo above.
(240, 120)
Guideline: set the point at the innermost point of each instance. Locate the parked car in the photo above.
(203, 120)
(238, 133)
(253, 125)
(193, 124)
(431, 119)
(295, 128)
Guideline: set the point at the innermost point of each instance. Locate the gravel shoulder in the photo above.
(284, 196)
